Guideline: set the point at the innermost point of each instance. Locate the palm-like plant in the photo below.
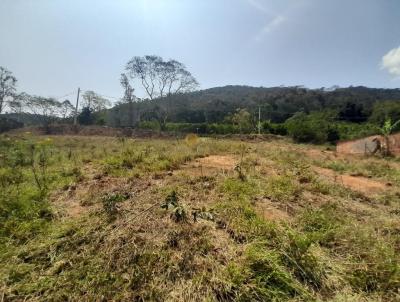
(386, 130)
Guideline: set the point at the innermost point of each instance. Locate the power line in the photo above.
(71, 93)
(106, 96)
(102, 95)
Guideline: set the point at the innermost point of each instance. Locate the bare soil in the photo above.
(360, 184)
(208, 166)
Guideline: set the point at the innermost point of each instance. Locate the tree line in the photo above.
(173, 103)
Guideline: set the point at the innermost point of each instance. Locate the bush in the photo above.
(312, 128)
(385, 110)
(274, 128)
(86, 117)
(7, 124)
(150, 125)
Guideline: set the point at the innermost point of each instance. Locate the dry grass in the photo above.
(204, 220)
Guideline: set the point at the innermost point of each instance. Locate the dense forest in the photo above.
(321, 114)
(277, 104)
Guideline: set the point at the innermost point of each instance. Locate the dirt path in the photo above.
(356, 183)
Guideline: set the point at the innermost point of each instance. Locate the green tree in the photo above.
(316, 127)
(86, 116)
(387, 129)
(385, 110)
(242, 118)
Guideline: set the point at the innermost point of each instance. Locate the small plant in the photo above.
(203, 214)
(39, 158)
(110, 203)
(240, 166)
(387, 129)
(179, 213)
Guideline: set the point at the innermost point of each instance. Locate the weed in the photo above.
(178, 211)
(110, 203)
(282, 188)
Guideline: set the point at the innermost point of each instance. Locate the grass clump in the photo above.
(282, 188)
(262, 276)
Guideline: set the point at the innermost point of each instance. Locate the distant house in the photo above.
(368, 145)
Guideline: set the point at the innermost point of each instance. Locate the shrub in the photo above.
(178, 211)
(110, 203)
(7, 124)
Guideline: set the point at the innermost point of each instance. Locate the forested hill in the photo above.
(276, 104)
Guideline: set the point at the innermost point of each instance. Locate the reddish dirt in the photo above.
(209, 165)
(84, 196)
(367, 144)
(225, 162)
(356, 183)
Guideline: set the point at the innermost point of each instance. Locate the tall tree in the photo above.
(7, 86)
(161, 79)
(242, 118)
(129, 97)
(45, 109)
(94, 101)
(66, 109)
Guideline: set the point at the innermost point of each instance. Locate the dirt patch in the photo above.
(368, 144)
(82, 197)
(210, 165)
(271, 213)
(226, 162)
(356, 183)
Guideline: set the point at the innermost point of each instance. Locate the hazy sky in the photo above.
(54, 46)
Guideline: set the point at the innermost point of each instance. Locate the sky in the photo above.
(55, 46)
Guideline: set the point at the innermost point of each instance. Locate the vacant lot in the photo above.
(200, 219)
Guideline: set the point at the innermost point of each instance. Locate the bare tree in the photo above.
(7, 86)
(94, 101)
(161, 79)
(129, 97)
(66, 109)
(145, 69)
(18, 103)
(45, 109)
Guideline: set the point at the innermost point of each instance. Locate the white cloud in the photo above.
(391, 62)
(273, 24)
(257, 5)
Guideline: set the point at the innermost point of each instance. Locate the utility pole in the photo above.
(259, 120)
(76, 107)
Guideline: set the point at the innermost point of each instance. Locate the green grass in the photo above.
(128, 246)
